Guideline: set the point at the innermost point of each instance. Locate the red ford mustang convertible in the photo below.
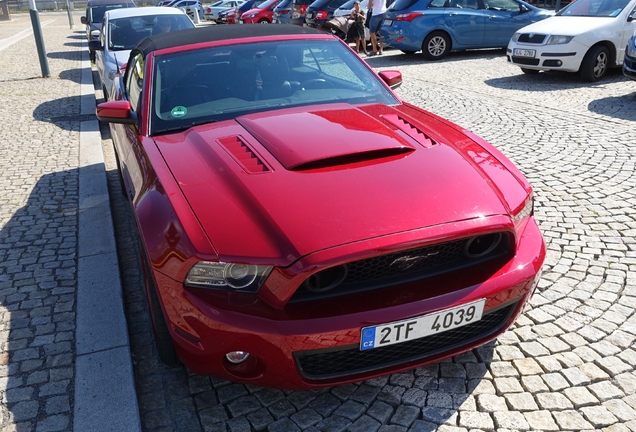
(301, 226)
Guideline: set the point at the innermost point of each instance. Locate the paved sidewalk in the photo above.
(64, 352)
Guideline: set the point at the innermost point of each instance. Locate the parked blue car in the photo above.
(438, 27)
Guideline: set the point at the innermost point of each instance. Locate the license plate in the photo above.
(523, 52)
(309, 15)
(387, 23)
(241, 21)
(418, 327)
(274, 20)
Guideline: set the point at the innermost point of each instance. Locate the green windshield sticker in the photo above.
(178, 111)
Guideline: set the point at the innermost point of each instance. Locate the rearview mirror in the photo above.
(116, 112)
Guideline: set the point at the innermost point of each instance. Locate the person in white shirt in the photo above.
(374, 17)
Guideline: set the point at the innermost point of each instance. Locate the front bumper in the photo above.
(629, 67)
(564, 57)
(301, 351)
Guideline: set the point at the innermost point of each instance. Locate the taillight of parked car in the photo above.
(408, 16)
(321, 15)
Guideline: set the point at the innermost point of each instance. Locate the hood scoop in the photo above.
(243, 154)
(332, 135)
(410, 129)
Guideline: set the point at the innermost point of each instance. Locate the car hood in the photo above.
(568, 25)
(283, 184)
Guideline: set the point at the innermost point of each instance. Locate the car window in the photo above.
(502, 5)
(464, 4)
(438, 4)
(594, 8)
(403, 4)
(214, 84)
(125, 33)
(97, 12)
(135, 81)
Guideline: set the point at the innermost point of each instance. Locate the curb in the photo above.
(105, 396)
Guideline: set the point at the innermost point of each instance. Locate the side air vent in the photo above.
(243, 154)
(410, 129)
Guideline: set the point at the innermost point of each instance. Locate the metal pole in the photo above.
(39, 40)
(69, 11)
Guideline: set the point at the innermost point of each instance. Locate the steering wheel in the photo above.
(317, 83)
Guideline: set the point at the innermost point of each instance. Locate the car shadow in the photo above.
(619, 107)
(418, 58)
(66, 55)
(551, 81)
(74, 44)
(38, 281)
(63, 111)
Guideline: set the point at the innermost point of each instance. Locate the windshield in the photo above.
(213, 84)
(97, 12)
(125, 33)
(594, 8)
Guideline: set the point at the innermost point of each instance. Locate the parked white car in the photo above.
(211, 13)
(587, 36)
(122, 29)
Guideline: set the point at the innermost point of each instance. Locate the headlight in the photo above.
(557, 40)
(245, 277)
(527, 210)
(515, 37)
(631, 47)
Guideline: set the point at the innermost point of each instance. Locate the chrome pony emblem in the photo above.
(406, 262)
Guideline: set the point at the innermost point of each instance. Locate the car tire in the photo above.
(595, 63)
(263, 21)
(530, 71)
(91, 56)
(436, 46)
(163, 341)
(408, 52)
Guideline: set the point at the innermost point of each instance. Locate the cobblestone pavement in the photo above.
(567, 364)
(38, 226)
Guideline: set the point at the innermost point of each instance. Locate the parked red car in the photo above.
(300, 226)
(261, 15)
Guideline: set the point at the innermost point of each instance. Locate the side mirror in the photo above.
(116, 112)
(95, 45)
(632, 16)
(84, 20)
(392, 78)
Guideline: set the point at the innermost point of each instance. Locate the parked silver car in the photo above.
(123, 29)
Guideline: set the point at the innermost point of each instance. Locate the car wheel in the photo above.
(408, 52)
(529, 71)
(91, 56)
(263, 21)
(595, 63)
(436, 46)
(163, 341)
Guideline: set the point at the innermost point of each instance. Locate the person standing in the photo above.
(357, 15)
(374, 18)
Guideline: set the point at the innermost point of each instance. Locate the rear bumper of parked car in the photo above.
(564, 57)
(400, 36)
(300, 352)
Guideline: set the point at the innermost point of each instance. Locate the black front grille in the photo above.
(350, 360)
(398, 267)
(525, 61)
(532, 38)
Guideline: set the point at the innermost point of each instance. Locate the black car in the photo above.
(321, 11)
(95, 10)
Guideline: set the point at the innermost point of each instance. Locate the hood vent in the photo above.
(243, 154)
(410, 129)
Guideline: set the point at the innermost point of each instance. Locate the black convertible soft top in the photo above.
(216, 33)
